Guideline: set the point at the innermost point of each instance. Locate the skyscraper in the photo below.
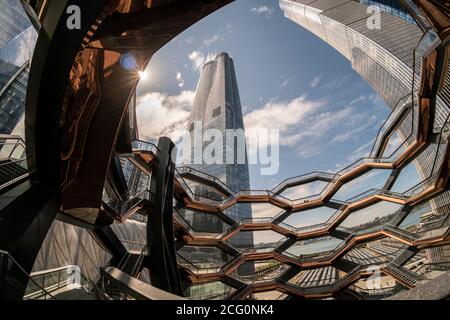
(384, 56)
(217, 106)
(17, 39)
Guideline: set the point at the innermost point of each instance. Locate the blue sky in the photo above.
(329, 115)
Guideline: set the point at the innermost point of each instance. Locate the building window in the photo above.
(216, 112)
(191, 127)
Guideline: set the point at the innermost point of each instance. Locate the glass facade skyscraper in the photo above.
(217, 106)
(17, 39)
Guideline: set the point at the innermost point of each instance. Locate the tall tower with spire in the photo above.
(217, 106)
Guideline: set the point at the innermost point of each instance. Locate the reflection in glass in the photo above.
(259, 210)
(310, 217)
(371, 217)
(374, 179)
(204, 257)
(408, 178)
(304, 190)
(395, 141)
(203, 221)
(215, 290)
(262, 239)
(313, 246)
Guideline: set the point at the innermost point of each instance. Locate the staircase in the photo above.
(402, 234)
(403, 275)
(10, 170)
(131, 264)
(240, 293)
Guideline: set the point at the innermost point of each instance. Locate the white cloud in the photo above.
(336, 83)
(311, 127)
(315, 81)
(262, 10)
(283, 116)
(286, 81)
(188, 40)
(361, 152)
(198, 59)
(159, 114)
(180, 79)
(208, 42)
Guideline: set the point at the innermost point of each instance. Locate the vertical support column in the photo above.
(160, 236)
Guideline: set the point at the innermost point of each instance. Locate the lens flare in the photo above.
(143, 75)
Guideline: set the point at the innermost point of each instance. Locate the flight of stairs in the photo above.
(10, 170)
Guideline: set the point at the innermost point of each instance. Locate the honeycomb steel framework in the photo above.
(436, 233)
(342, 269)
(339, 261)
(337, 269)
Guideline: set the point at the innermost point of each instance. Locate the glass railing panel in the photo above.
(416, 171)
(191, 171)
(371, 218)
(393, 119)
(139, 145)
(304, 190)
(239, 211)
(373, 179)
(202, 222)
(205, 191)
(215, 290)
(313, 248)
(311, 217)
(10, 270)
(205, 257)
(395, 143)
(256, 241)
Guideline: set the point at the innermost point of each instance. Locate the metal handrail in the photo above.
(45, 293)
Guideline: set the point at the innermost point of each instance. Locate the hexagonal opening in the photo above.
(240, 211)
(309, 217)
(375, 252)
(203, 222)
(304, 190)
(204, 190)
(261, 270)
(409, 177)
(420, 214)
(371, 218)
(215, 290)
(259, 240)
(202, 257)
(394, 145)
(373, 179)
(311, 247)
